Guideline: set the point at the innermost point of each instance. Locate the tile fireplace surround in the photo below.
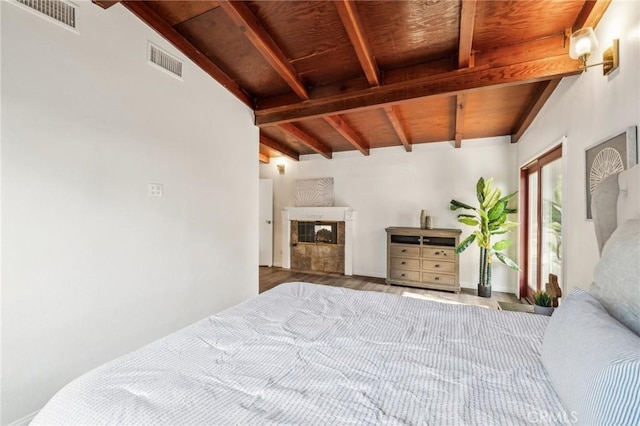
(326, 214)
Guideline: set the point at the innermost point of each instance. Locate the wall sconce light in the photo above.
(280, 168)
(583, 42)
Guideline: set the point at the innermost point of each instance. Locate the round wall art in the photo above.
(607, 162)
(608, 157)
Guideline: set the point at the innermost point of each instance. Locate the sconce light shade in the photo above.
(280, 168)
(582, 43)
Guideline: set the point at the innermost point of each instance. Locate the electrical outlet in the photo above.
(155, 190)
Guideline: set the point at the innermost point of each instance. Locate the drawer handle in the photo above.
(404, 250)
(441, 253)
(403, 275)
(437, 278)
(404, 263)
(437, 265)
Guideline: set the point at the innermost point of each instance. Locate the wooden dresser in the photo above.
(423, 258)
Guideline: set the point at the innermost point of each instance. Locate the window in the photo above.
(541, 219)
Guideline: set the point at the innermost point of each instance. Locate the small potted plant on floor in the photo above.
(542, 303)
(490, 219)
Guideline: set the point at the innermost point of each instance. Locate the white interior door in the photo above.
(266, 222)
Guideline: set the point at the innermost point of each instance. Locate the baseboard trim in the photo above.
(25, 420)
(369, 274)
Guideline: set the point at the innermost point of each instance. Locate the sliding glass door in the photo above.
(541, 219)
(532, 233)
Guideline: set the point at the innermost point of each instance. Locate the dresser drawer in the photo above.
(402, 275)
(428, 277)
(439, 253)
(405, 263)
(438, 266)
(405, 251)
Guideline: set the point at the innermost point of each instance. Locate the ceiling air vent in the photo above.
(59, 11)
(167, 62)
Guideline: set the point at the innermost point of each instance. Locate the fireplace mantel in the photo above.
(338, 214)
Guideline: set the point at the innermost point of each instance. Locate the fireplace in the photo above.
(318, 239)
(317, 246)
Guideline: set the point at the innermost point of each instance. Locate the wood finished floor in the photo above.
(273, 276)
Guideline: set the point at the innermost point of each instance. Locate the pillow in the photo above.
(616, 279)
(629, 197)
(577, 291)
(593, 362)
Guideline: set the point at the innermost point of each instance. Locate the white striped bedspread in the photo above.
(312, 354)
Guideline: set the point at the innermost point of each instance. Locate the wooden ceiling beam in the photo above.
(306, 139)
(393, 113)
(242, 16)
(351, 21)
(277, 146)
(555, 45)
(347, 133)
(152, 19)
(361, 83)
(105, 4)
(467, 22)
(465, 60)
(264, 159)
(591, 13)
(534, 107)
(545, 47)
(443, 84)
(461, 105)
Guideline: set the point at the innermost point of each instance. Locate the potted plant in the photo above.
(542, 303)
(490, 219)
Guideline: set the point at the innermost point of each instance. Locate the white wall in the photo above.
(391, 186)
(91, 266)
(588, 109)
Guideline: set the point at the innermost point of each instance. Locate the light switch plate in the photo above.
(155, 190)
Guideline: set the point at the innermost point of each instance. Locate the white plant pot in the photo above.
(543, 310)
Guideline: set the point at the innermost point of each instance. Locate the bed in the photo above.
(305, 353)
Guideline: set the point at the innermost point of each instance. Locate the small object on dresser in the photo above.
(424, 219)
(429, 222)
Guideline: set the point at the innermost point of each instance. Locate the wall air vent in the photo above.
(165, 61)
(59, 11)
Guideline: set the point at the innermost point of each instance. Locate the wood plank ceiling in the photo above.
(331, 76)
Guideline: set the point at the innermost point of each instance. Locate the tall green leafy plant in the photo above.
(490, 219)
